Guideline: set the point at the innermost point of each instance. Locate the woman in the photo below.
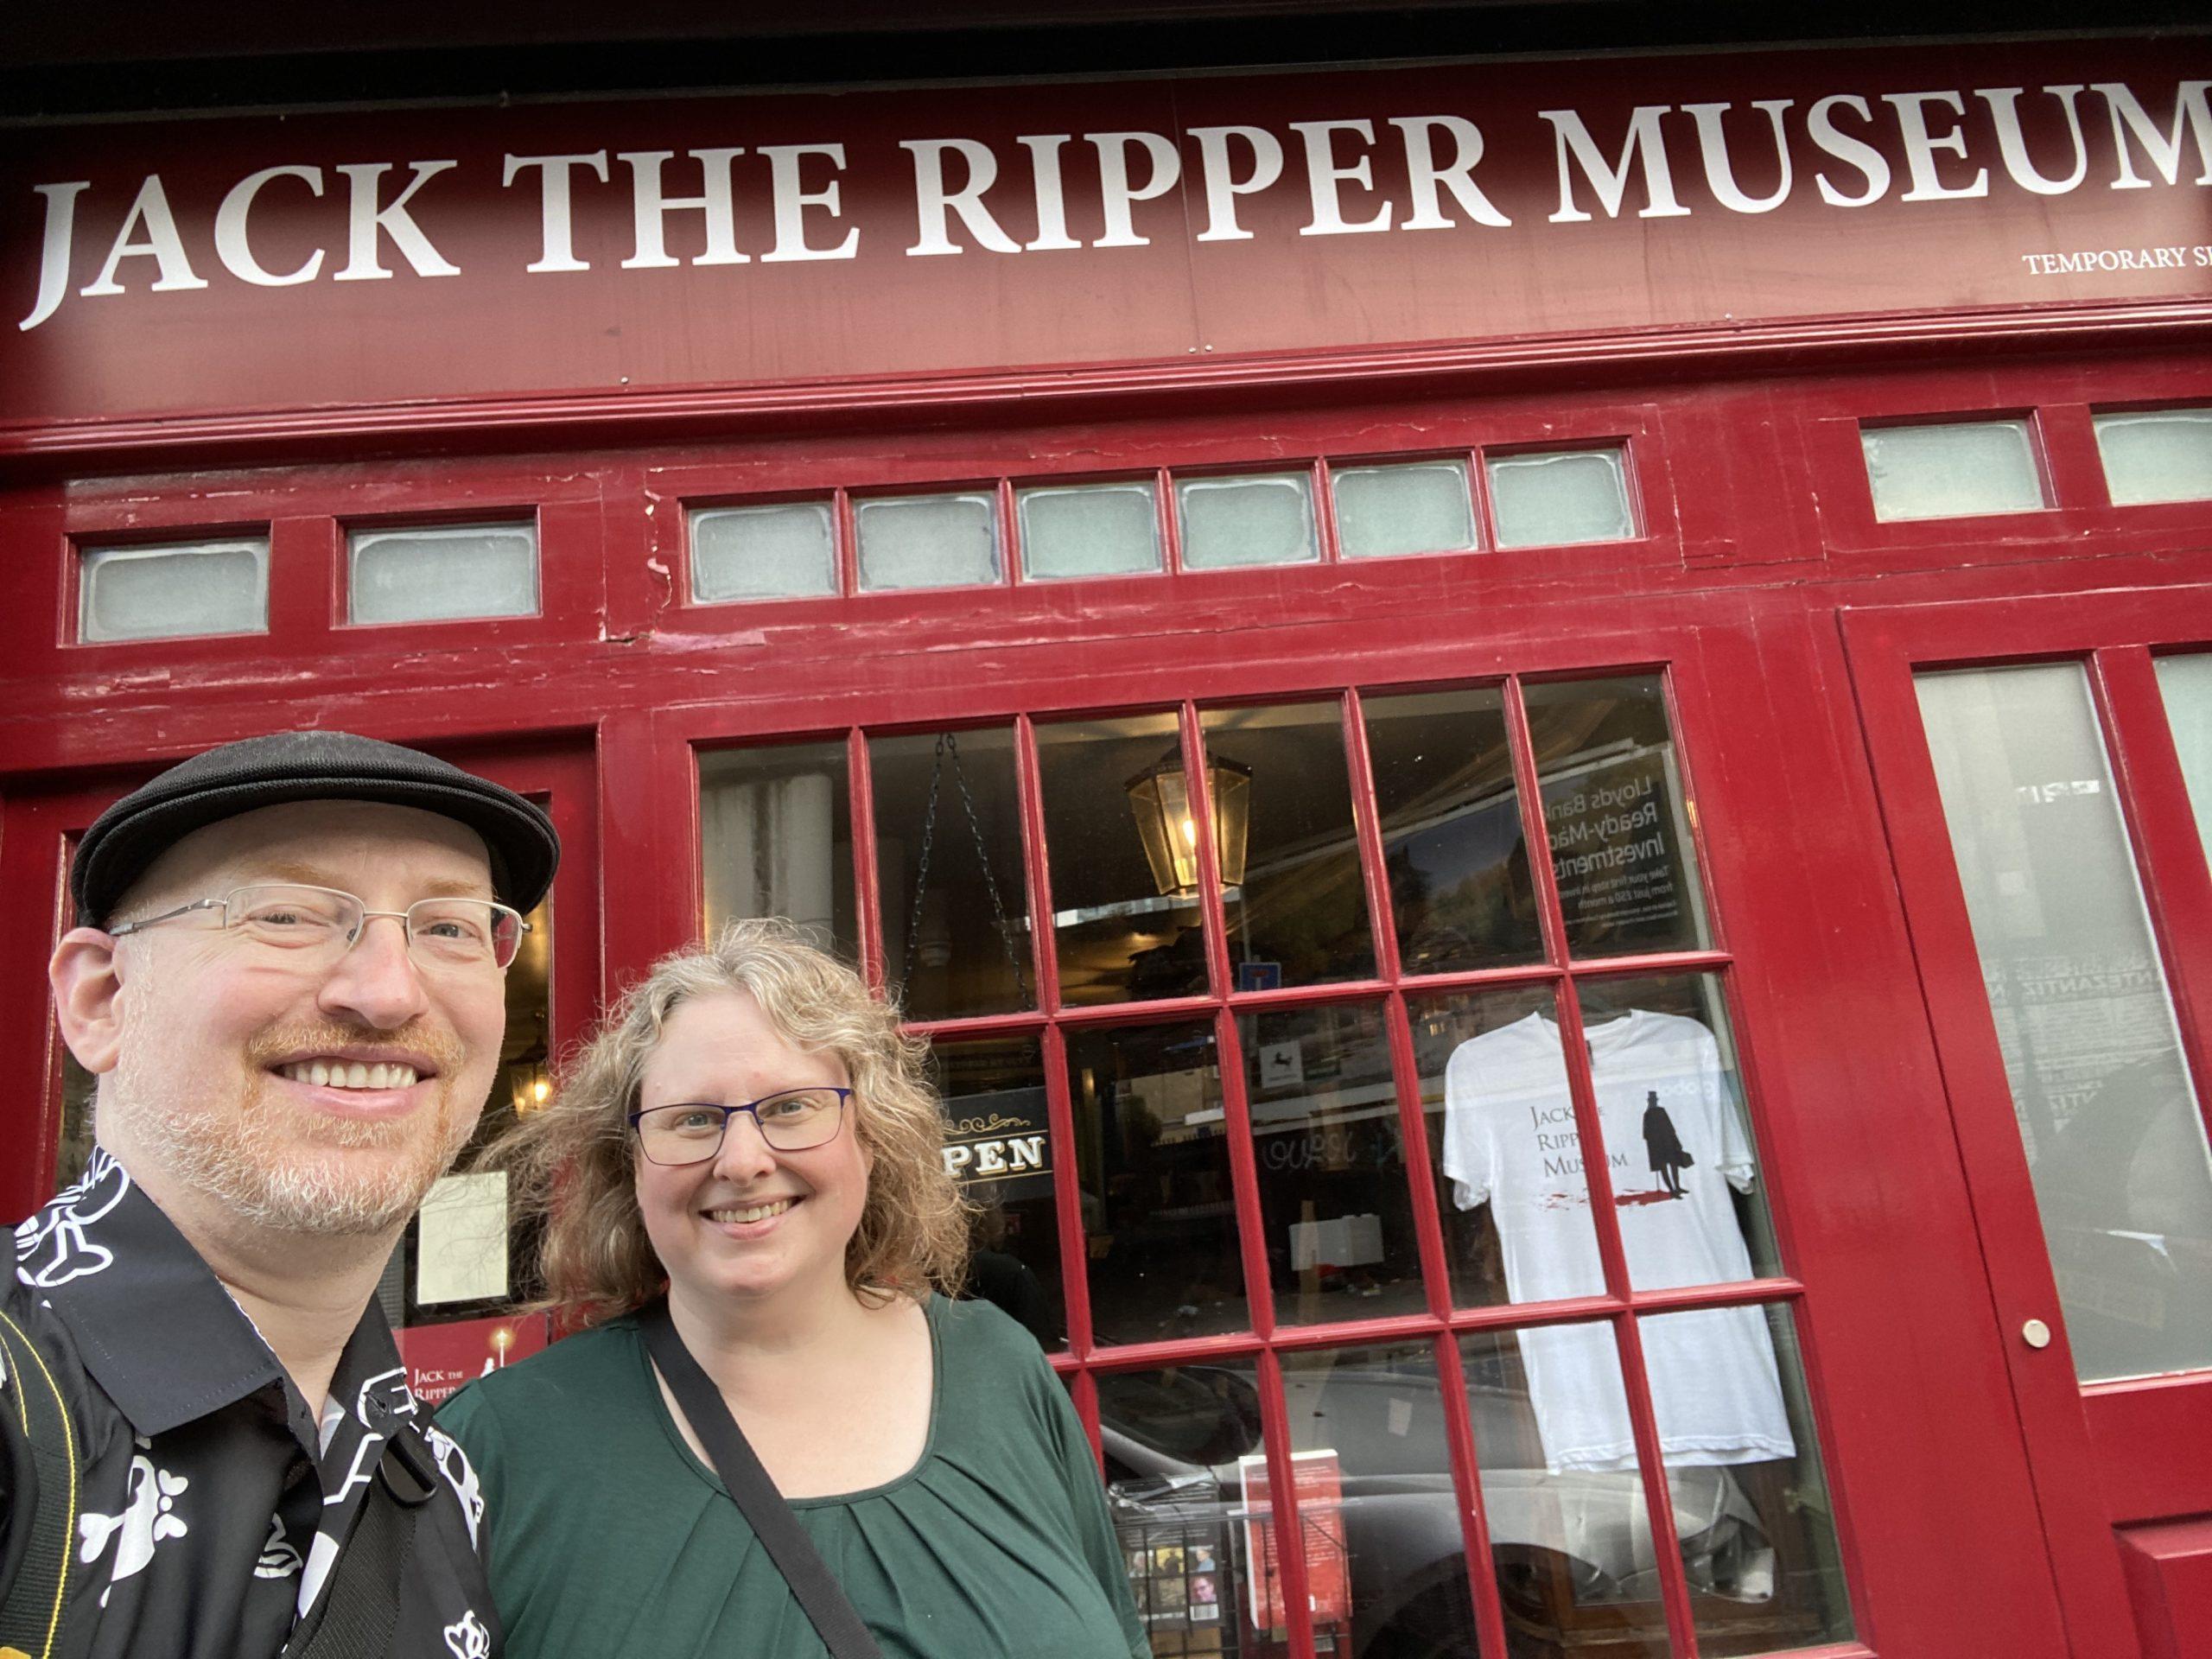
(751, 1130)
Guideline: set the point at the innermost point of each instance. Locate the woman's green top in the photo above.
(608, 1536)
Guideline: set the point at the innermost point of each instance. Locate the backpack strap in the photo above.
(360, 1607)
(841, 1629)
(44, 1511)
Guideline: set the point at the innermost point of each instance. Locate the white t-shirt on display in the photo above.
(1673, 1136)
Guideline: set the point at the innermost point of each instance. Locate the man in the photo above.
(289, 982)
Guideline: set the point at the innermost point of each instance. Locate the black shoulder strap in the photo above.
(42, 1509)
(774, 1523)
(356, 1612)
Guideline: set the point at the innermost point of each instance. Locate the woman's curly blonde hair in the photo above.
(571, 1165)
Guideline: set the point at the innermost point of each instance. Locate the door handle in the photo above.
(2036, 1334)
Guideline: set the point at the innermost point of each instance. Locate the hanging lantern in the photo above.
(1167, 823)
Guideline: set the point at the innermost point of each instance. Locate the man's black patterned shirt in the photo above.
(212, 1504)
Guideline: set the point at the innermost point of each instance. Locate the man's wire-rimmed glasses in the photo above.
(692, 1132)
(320, 924)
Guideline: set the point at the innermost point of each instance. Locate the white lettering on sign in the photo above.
(734, 205)
(1014, 1155)
(369, 224)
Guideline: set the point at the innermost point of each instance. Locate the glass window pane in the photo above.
(483, 1262)
(2102, 1094)
(1378, 1516)
(947, 857)
(442, 573)
(1671, 1105)
(1089, 530)
(1952, 470)
(927, 541)
(782, 550)
(2186, 685)
(775, 829)
(1173, 1442)
(1570, 1528)
(1418, 506)
(1152, 1153)
(1551, 500)
(1452, 848)
(999, 1145)
(1744, 1468)
(1261, 518)
(1507, 1159)
(1335, 1210)
(1620, 839)
(162, 592)
(1296, 904)
(2162, 455)
(1119, 836)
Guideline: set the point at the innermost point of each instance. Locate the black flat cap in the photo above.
(258, 772)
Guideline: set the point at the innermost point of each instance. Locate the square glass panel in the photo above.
(1159, 1212)
(442, 573)
(471, 1253)
(1744, 1466)
(1257, 518)
(1176, 1444)
(1294, 897)
(1378, 1514)
(1089, 530)
(1621, 848)
(1335, 1210)
(1453, 851)
(1570, 1527)
(1952, 470)
(948, 859)
(1685, 1171)
(1560, 498)
(1119, 836)
(775, 831)
(1415, 506)
(927, 541)
(998, 1147)
(2185, 684)
(170, 592)
(2106, 1110)
(783, 549)
(2162, 455)
(1508, 1159)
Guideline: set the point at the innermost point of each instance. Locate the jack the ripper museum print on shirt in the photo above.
(1510, 1141)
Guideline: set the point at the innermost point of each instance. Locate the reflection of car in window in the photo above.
(1566, 1543)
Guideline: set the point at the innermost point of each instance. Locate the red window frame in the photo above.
(682, 736)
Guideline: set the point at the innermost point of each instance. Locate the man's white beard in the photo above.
(286, 1170)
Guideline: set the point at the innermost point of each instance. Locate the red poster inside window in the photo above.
(442, 1358)
(1319, 1480)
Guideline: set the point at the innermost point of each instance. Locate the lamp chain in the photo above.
(947, 743)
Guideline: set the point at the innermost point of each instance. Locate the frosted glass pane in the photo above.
(2187, 683)
(160, 592)
(443, 572)
(780, 552)
(1418, 507)
(928, 541)
(2157, 455)
(1952, 470)
(1089, 530)
(1264, 519)
(1573, 495)
(2102, 1093)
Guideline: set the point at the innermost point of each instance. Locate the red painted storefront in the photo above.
(1705, 281)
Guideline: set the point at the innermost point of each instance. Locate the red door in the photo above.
(2042, 766)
